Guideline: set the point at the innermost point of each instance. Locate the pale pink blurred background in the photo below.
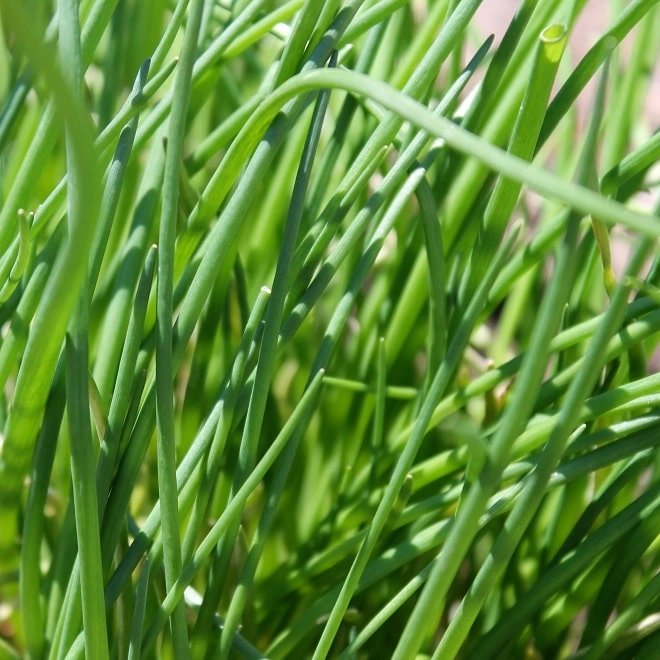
(493, 16)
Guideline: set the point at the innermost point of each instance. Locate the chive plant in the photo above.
(328, 330)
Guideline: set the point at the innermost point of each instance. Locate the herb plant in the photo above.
(328, 330)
